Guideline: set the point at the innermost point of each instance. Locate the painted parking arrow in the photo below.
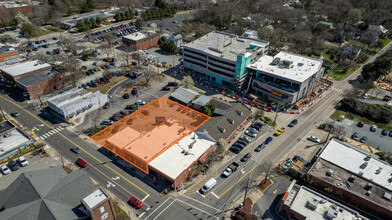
(116, 178)
(110, 184)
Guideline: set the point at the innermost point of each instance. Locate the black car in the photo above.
(115, 118)
(76, 150)
(134, 91)
(126, 96)
(242, 142)
(260, 147)
(166, 88)
(106, 105)
(172, 84)
(246, 157)
(293, 123)
(235, 149)
(55, 38)
(13, 165)
(384, 132)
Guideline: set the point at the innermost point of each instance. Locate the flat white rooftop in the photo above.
(288, 65)
(355, 160)
(25, 67)
(321, 208)
(73, 97)
(182, 154)
(95, 198)
(229, 45)
(135, 36)
(10, 140)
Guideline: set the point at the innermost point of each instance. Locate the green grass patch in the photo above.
(349, 115)
(338, 113)
(42, 32)
(52, 29)
(385, 41)
(121, 212)
(187, 187)
(341, 74)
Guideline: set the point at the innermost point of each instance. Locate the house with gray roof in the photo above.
(47, 194)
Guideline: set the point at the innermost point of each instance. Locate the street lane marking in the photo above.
(215, 195)
(157, 208)
(145, 197)
(220, 196)
(163, 210)
(204, 212)
(321, 105)
(272, 176)
(77, 146)
(258, 196)
(275, 191)
(200, 202)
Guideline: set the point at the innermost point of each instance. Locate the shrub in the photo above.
(374, 112)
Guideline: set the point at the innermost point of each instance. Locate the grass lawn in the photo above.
(349, 115)
(42, 32)
(385, 41)
(52, 29)
(121, 213)
(339, 73)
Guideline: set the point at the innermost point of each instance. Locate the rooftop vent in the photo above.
(312, 204)
(368, 157)
(378, 171)
(387, 196)
(330, 173)
(369, 186)
(222, 130)
(351, 178)
(364, 165)
(231, 121)
(369, 192)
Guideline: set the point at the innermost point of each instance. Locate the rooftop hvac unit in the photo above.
(364, 165)
(330, 173)
(367, 158)
(379, 170)
(312, 204)
(369, 192)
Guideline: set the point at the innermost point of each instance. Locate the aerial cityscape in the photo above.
(196, 109)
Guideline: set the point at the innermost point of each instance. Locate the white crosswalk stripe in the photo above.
(337, 90)
(42, 138)
(45, 136)
(51, 132)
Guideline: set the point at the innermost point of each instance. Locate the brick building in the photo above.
(355, 176)
(14, 8)
(302, 203)
(33, 78)
(8, 55)
(99, 205)
(141, 41)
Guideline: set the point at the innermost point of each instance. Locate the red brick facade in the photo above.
(143, 44)
(44, 87)
(355, 200)
(10, 55)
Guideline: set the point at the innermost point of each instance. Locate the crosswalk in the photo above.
(51, 132)
(337, 90)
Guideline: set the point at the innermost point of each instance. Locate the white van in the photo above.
(209, 185)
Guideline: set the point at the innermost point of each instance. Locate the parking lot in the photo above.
(374, 139)
(36, 162)
(117, 31)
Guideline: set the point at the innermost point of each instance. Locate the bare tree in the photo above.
(5, 16)
(339, 131)
(107, 49)
(69, 44)
(71, 68)
(187, 82)
(149, 74)
(265, 168)
(125, 57)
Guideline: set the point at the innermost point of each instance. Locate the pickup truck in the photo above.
(230, 169)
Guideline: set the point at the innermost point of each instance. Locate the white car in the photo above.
(249, 133)
(227, 172)
(140, 102)
(5, 169)
(314, 139)
(23, 162)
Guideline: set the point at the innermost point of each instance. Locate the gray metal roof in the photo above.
(37, 77)
(236, 114)
(46, 194)
(202, 100)
(184, 95)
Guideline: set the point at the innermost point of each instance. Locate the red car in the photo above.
(81, 162)
(136, 202)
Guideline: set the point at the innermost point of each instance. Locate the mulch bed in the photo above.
(264, 184)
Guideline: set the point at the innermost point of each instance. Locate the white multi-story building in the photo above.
(75, 102)
(222, 57)
(286, 77)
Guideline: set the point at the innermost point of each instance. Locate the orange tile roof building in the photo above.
(149, 132)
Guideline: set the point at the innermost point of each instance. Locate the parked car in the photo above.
(246, 157)
(363, 139)
(249, 133)
(373, 128)
(107, 122)
(314, 139)
(384, 132)
(361, 124)
(4, 169)
(15, 113)
(115, 118)
(172, 84)
(268, 140)
(293, 123)
(22, 161)
(13, 165)
(126, 96)
(235, 149)
(135, 202)
(75, 149)
(355, 136)
(81, 162)
(245, 138)
(134, 91)
(140, 102)
(390, 134)
(256, 126)
(166, 88)
(242, 142)
(254, 130)
(279, 131)
(230, 169)
(260, 147)
(106, 105)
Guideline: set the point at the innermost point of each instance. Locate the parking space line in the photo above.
(200, 202)
(163, 210)
(145, 197)
(215, 195)
(197, 208)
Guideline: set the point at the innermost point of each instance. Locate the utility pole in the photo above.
(5, 118)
